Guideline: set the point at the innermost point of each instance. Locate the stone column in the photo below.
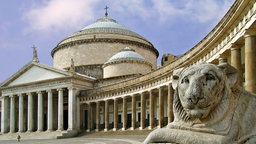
(161, 107)
(4, 114)
(133, 112)
(60, 109)
(152, 110)
(12, 114)
(223, 60)
(71, 108)
(89, 120)
(97, 116)
(236, 63)
(143, 111)
(40, 114)
(30, 112)
(170, 103)
(115, 114)
(124, 113)
(250, 61)
(106, 115)
(50, 111)
(21, 113)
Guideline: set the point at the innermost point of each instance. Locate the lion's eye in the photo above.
(209, 77)
(185, 80)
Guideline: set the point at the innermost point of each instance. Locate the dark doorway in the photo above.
(139, 117)
(65, 119)
(45, 122)
(129, 120)
(147, 120)
(86, 119)
(119, 119)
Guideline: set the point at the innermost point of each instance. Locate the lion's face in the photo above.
(200, 89)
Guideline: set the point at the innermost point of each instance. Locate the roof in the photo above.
(35, 72)
(106, 25)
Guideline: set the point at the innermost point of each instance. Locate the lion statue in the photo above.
(209, 108)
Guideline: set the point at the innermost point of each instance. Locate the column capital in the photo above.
(11, 96)
(235, 46)
(59, 89)
(20, 94)
(160, 87)
(72, 88)
(142, 93)
(29, 93)
(39, 92)
(250, 32)
(49, 90)
(125, 97)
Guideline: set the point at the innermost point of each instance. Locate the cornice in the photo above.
(108, 40)
(127, 61)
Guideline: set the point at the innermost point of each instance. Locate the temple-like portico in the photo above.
(46, 106)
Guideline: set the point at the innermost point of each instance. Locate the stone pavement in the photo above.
(118, 137)
(77, 140)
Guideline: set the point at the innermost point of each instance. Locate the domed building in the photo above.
(95, 44)
(105, 77)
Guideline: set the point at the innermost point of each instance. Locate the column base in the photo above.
(97, 130)
(105, 129)
(141, 128)
(150, 128)
(114, 129)
(60, 129)
(49, 130)
(123, 129)
(88, 130)
(132, 128)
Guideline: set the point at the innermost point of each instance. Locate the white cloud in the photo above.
(66, 14)
(163, 10)
(60, 14)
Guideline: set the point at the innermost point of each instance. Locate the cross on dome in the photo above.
(106, 8)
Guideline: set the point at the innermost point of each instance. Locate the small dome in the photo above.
(126, 54)
(124, 63)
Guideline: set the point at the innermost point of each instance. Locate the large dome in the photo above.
(92, 46)
(107, 25)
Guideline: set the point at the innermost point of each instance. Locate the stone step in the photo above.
(31, 135)
(115, 133)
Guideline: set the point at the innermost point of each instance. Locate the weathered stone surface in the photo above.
(209, 108)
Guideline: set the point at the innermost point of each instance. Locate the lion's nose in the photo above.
(195, 94)
(194, 99)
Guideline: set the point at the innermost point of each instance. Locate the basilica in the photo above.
(105, 78)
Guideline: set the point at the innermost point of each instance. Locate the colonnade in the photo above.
(37, 111)
(244, 63)
(157, 112)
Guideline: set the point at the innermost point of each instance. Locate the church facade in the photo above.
(105, 77)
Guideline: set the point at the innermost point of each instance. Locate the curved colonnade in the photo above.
(146, 101)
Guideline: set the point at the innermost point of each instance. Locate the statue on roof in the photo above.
(72, 66)
(35, 57)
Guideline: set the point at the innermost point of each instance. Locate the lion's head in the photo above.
(199, 89)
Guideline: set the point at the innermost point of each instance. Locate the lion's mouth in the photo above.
(197, 112)
(196, 107)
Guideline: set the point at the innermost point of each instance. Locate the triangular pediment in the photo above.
(34, 72)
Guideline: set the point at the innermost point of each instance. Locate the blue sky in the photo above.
(172, 26)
